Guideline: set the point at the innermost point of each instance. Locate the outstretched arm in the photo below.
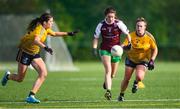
(61, 34)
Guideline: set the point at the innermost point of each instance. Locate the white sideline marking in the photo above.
(94, 101)
(154, 100)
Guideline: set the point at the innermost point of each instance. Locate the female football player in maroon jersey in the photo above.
(110, 29)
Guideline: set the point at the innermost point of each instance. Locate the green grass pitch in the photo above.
(83, 89)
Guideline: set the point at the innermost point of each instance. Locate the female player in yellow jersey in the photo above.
(140, 56)
(28, 53)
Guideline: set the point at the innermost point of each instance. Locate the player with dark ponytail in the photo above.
(28, 53)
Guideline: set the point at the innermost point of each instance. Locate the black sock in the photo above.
(108, 90)
(121, 94)
(7, 77)
(31, 93)
(135, 82)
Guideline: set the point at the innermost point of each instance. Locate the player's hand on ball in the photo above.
(127, 47)
(73, 33)
(151, 65)
(95, 52)
(49, 50)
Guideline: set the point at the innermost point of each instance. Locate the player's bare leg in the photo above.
(140, 73)
(42, 73)
(19, 77)
(125, 82)
(40, 67)
(114, 67)
(108, 80)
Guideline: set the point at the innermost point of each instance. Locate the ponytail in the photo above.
(39, 20)
(32, 25)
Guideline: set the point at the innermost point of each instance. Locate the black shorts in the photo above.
(25, 58)
(129, 63)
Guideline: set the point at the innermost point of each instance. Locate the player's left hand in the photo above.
(73, 33)
(49, 50)
(151, 65)
(127, 47)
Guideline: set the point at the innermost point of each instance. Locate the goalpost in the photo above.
(13, 27)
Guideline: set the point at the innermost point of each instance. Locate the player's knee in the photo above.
(43, 75)
(108, 73)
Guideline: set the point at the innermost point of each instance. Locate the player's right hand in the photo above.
(95, 52)
(127, 47)
(49, 50)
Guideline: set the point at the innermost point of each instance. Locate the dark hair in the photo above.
(141, 19)
(43, 18)
(109, 10)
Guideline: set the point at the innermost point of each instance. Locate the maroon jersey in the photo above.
(110, 33)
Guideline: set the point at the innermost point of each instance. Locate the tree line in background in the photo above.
(162, 16)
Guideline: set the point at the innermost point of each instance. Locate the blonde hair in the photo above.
(141, 19)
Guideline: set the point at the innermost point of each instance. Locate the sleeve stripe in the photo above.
(151, 36)
(98, 30)
(123, 27)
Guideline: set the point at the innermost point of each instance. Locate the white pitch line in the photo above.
(94, 101)
(154, 100)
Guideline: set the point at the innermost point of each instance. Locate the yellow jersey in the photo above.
(27, 41)
(141, 47)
